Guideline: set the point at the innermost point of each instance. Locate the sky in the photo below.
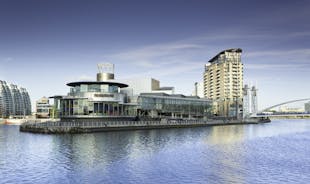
(45, 44)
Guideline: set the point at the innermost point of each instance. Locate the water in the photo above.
(278, 152)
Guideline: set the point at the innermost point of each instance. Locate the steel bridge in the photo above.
(263, 113)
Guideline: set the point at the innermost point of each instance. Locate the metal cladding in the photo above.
(105, 76)
(14, 101)
(106, 72)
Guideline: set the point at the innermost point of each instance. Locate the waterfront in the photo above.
(276, 152)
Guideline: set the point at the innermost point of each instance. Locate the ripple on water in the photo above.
(271, 153)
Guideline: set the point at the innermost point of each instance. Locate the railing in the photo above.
(164, 122)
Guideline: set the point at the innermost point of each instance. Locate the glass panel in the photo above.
(113, 89)
(84, 88)
(96, 109)
(94, 88)
(100, 108)
(104, 88)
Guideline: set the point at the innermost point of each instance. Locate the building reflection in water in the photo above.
(228, 156)
(98, 151)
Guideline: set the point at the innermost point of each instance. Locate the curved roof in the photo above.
(121, 85)
(238, 50)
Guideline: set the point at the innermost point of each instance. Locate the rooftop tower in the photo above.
(105, 72)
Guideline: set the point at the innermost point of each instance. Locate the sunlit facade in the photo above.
(14, 101)
(43, 108)
(174, 106)
(105, 99)
(223, 82)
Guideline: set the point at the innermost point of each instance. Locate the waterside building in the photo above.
(14, 101)
(223, 82)
(43, 108)
(107, 99)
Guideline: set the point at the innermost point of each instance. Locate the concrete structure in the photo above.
(223, 82)
(43, 108)
(249, 101)
(145, 85)
(198, 90)
(307, 107)
(14, 101)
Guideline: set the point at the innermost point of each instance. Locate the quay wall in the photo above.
(87, 127)
(290, 117)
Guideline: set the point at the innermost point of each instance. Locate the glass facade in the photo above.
(103, 99)
(169, 106)
(84, 107)
(14, 101)
(100, 88)
(95, 100)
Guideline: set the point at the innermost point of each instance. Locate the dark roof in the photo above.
(154, 94)
(228, 50)
(166, 88)
(178, 95)
(56, 96)
(121, 85)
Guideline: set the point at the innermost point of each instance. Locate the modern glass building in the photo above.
(14, 101)
(103, 99)
(173, 106)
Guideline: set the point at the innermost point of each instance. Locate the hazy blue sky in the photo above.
(44, 44)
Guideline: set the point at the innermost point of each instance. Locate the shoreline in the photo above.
(89, 127)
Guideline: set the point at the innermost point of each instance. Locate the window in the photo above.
(84, 88)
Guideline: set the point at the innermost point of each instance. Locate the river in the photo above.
(277, 152)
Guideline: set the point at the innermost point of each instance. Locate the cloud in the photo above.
(295, 52)
(7, 59)
(191, 54)
(153, 55)
(277, 66)
(169, 71)
(85, 78)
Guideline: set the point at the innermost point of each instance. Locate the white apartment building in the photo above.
(223, 82)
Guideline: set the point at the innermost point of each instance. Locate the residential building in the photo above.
(14, 101)
(223, 82)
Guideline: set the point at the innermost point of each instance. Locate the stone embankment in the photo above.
(87, 127)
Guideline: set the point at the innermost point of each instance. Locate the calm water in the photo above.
(278, 152)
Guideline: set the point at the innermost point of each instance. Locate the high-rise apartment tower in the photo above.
(223, 82)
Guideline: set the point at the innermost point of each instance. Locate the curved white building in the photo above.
(14, 101)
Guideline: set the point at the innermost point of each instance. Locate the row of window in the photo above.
(95, 88)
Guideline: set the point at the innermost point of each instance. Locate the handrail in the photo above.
(101, 124)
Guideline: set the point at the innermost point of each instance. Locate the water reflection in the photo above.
(221, 154)
(225, 134)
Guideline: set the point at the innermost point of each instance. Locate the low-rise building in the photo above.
(43, 108)
(106, 100)
(307, 107)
